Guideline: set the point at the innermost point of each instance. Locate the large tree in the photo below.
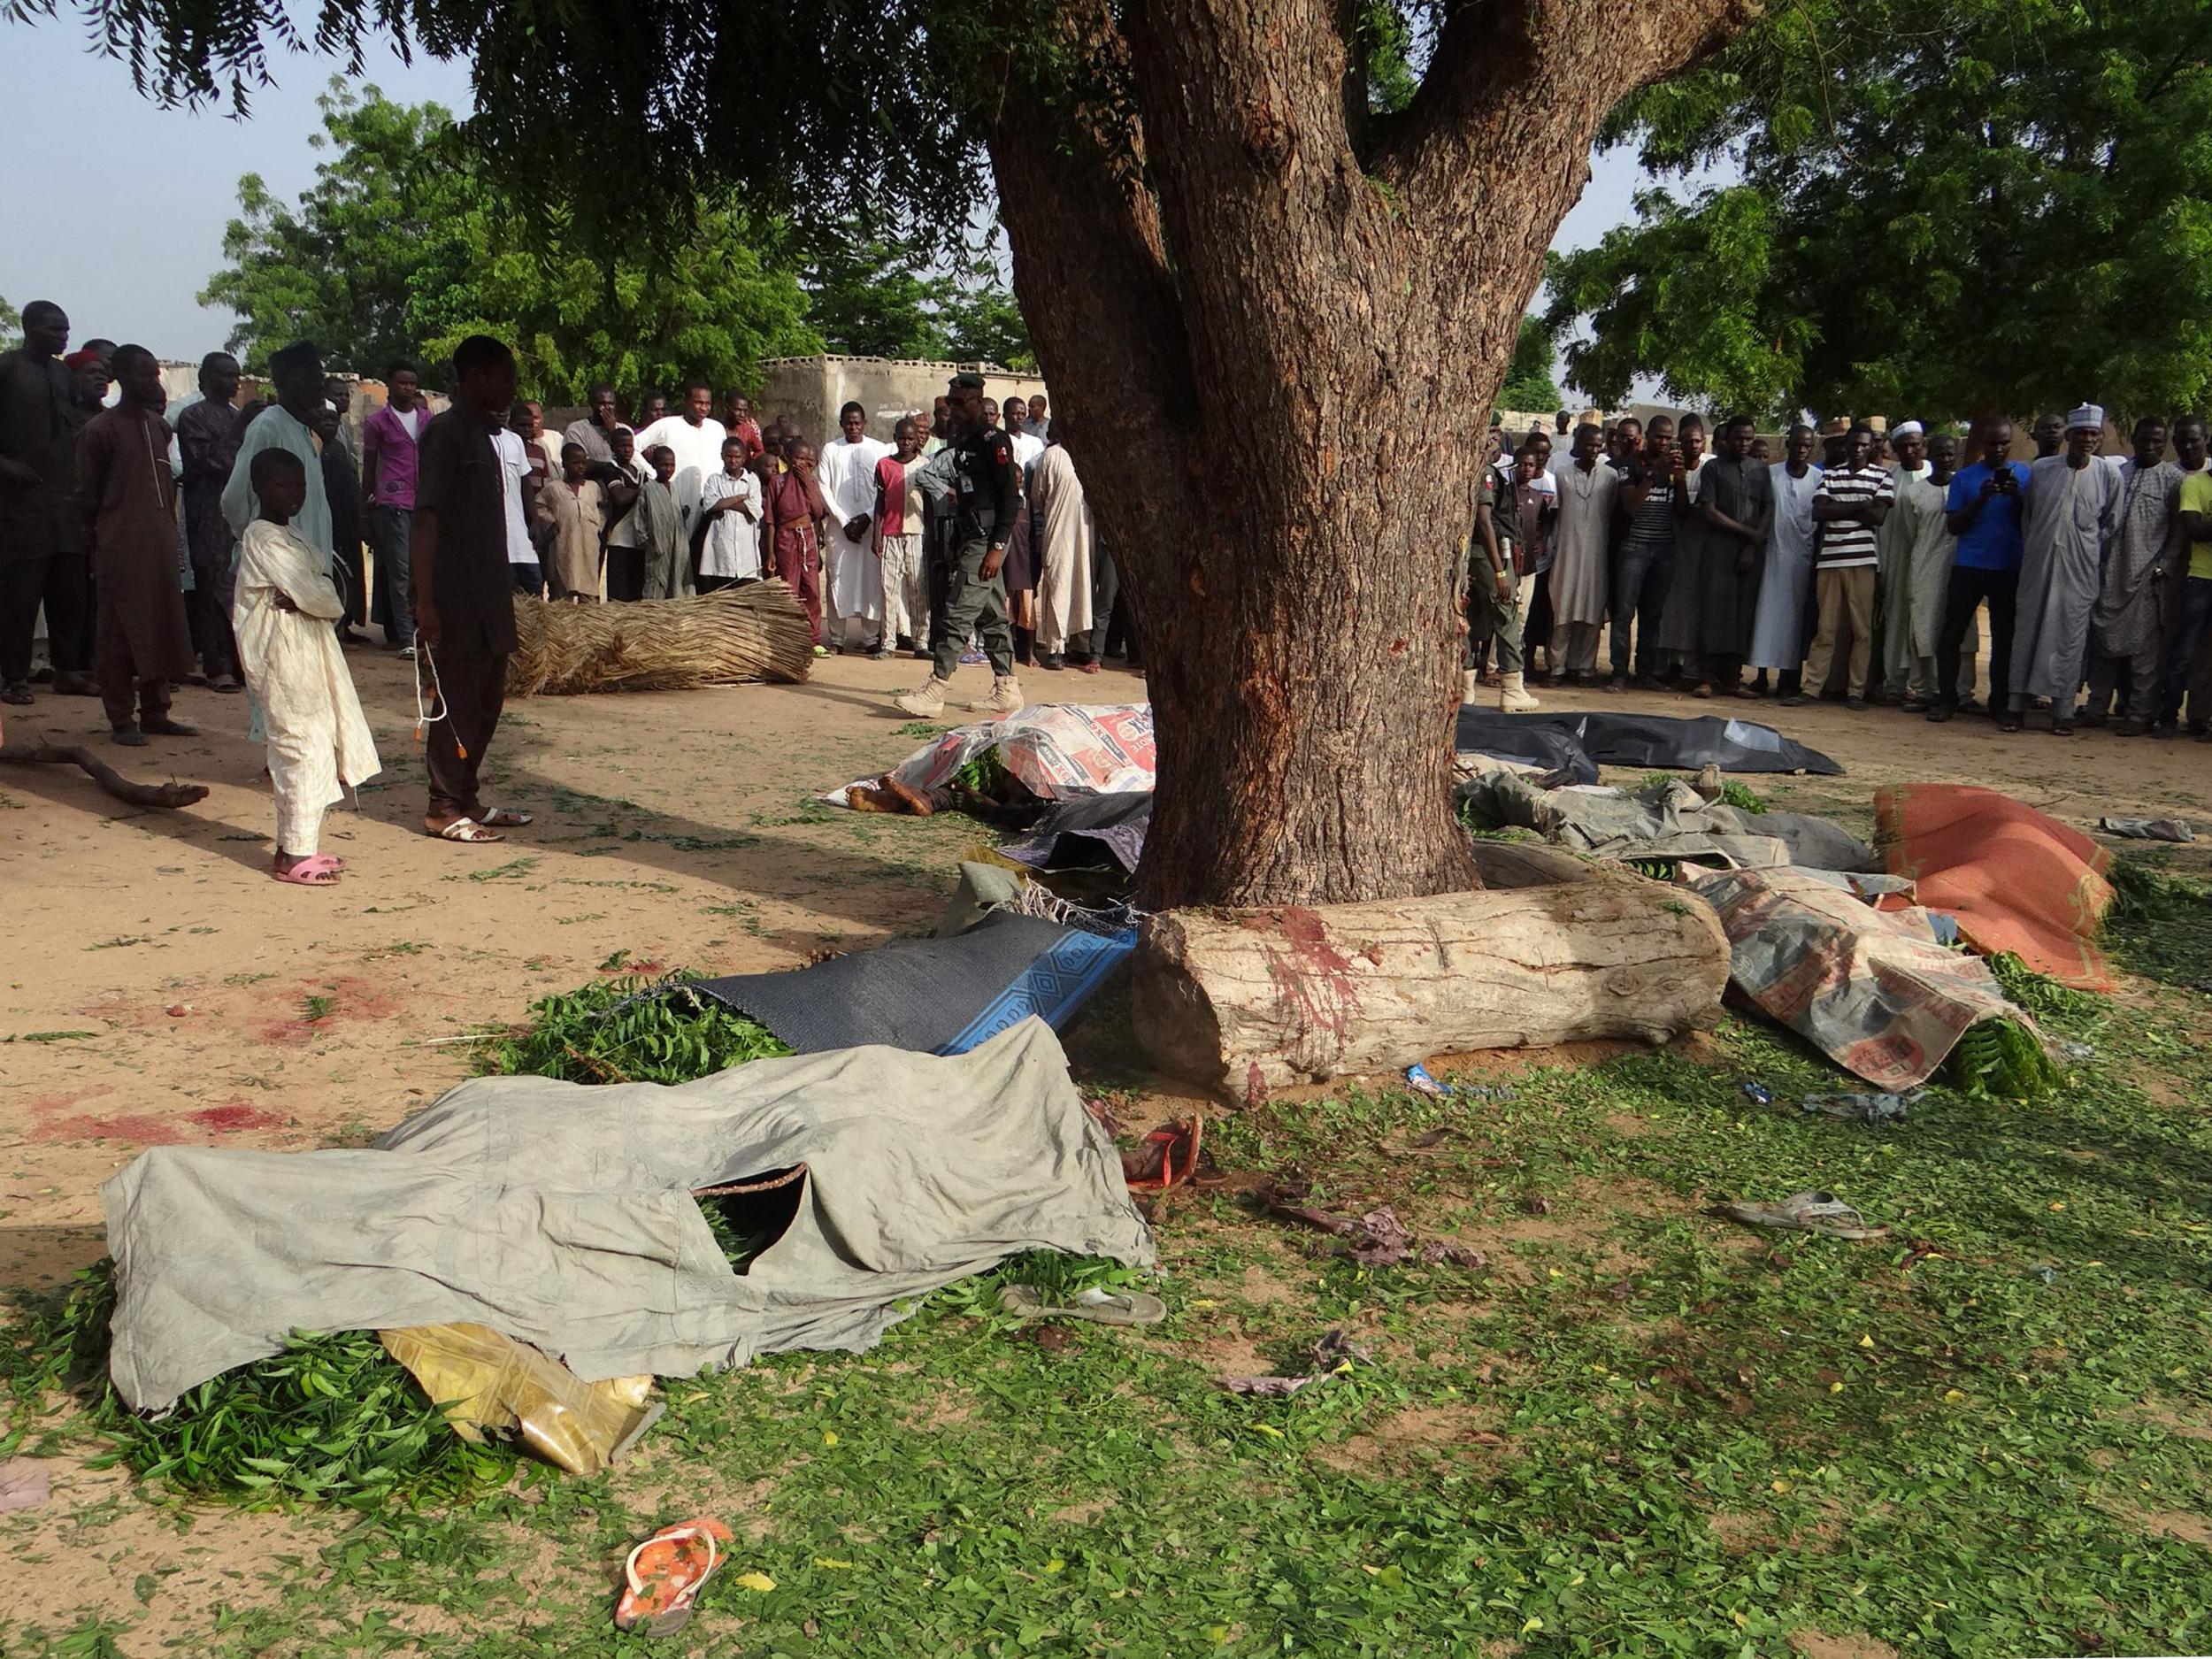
(1274, 255)
(1925, 208)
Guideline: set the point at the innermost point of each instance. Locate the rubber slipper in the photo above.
(1807, 1213)
(1101, 1307)
(318, 871)
(1166, 1158)
(465, 829)
(662, 1578)
(505, 818)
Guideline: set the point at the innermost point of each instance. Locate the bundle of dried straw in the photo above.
(757, 632)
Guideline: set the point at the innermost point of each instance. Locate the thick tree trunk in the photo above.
(1272, 358)
(1236, 999)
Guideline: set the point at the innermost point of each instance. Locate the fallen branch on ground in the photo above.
(171, 794)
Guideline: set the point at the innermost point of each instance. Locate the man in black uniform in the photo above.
(977, 470)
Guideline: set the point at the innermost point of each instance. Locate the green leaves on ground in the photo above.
(632, 1031)
(331, 1419)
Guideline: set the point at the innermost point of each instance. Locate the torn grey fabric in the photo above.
(563, 1215)
(1666, 820)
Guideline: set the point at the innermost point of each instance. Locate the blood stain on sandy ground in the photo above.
(348, 998)
(232, 1116)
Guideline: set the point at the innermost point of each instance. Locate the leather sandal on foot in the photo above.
(464, 829)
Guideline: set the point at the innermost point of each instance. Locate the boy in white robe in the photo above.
(847, 479)
(283, 614)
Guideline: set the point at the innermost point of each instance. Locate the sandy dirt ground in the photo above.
(180, 996)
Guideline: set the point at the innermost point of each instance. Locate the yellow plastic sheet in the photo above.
(486, 1380)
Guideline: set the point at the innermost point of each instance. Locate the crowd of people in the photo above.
(1861, 575)
(219, 542)
(206, 539)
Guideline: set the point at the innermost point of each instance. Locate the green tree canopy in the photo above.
(1529, 386)
(888, 297)
(402, 246)
(1941, 208)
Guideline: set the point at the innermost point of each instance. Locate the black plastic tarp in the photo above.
(1577, 745)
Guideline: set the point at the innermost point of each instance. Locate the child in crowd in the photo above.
(283, 614)
(573, 508)
(663, 538)
(727, 533)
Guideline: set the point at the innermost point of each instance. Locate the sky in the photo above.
(133, 198)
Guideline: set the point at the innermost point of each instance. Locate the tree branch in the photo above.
(1509, 77)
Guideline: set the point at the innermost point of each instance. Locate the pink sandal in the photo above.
(321, 871)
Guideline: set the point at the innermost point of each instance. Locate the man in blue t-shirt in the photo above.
(1983, 512)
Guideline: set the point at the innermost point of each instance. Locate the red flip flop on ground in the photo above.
(661, 1578)
(1166, 1158)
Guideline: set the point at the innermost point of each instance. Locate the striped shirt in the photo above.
(1651, 520)
(1847, 544)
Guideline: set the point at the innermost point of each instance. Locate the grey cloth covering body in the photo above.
(562, 1214)
(1667, 820)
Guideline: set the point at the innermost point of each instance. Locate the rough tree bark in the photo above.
(1273, 328)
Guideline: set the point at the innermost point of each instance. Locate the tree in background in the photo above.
(402, 247)
(1529, 388)
(1979, 204)
(338, 268)
(1274, 255)
(877, 295)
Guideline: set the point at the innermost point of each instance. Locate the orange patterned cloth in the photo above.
(2016, 880)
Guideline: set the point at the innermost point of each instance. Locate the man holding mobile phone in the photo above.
(1983, 511)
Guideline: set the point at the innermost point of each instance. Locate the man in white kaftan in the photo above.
(1581, 552)
(1062, 544)
(2073, 510)
(2148, 553)
(1779, 636)
(855, 574)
